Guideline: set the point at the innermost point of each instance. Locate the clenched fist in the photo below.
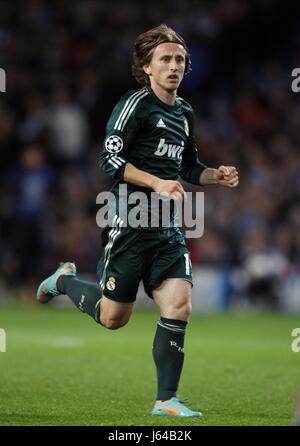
(227, 176)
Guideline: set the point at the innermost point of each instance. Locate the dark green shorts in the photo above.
(131, 255)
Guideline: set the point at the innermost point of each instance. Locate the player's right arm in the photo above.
(125, 122)
(144, 179)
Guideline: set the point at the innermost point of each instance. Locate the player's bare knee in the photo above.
(113, 315)
(184, 311)
(180, 311)
(113, 323)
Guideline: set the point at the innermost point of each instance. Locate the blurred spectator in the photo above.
(32, 183)
(67, 127)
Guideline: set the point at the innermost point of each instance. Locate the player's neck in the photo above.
(166, 96)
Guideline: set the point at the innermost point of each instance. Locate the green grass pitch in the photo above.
(61, 368)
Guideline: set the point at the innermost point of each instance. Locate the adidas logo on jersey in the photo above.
(160, 123)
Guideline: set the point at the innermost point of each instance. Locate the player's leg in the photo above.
(169, 282)
(111, 302)
(113, 315)
(173, 297)
(86, 296)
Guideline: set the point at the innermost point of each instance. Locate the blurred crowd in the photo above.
(68, 63)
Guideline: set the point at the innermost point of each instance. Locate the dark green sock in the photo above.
(85, 295)
(168, 356)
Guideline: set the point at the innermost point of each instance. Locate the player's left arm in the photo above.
(224, 176)
(195, 172)
(191, 168)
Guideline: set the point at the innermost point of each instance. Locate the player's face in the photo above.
(167, 65)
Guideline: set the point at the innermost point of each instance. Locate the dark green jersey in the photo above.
(155, 137)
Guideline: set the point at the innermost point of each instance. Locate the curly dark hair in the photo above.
(145, 45)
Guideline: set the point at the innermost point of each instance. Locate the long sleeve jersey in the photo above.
(153, 136)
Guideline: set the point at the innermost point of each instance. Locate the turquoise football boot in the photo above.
(173, 407)
(48, 288)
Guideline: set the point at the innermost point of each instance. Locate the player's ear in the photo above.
(147, 69)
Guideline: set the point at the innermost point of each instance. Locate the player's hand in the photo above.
(228, 176)
(169, 189)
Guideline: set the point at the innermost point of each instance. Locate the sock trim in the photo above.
(172, 327)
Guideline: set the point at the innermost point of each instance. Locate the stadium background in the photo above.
(67, 63)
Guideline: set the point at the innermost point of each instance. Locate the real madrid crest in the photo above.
(111, 283)
(186, 127)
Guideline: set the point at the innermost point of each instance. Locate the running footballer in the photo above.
(149, 145)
